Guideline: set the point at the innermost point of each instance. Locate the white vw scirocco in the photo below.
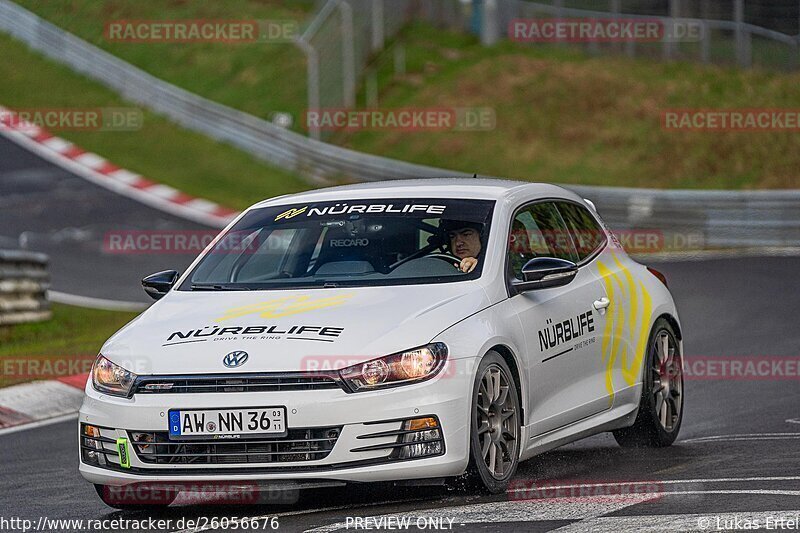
(409, 330)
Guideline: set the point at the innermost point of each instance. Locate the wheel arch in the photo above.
(508, 356)
(673, 322)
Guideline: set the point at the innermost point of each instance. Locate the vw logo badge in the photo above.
(235, 359)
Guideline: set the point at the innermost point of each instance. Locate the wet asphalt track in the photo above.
(48, 209)
(738, 452)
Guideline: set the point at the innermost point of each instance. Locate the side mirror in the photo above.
(546, 273)
(158, 284)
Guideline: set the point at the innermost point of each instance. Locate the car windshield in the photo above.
(348, 243)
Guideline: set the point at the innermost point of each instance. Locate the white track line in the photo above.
(744, 437)
(41, 400)
(493, 512)
(309, 511)
(51, 150)
(587, 512)
(94, 303)
(666, 482)
(705, 255)
(39, 423)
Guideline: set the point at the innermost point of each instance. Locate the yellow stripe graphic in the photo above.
(624, 290)
(291, 213)
(288, 305)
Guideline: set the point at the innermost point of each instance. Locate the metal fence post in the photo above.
(348, 55)
(378, 36)
(674, 13)
(399, 60)
(615, 9)
(559, 5)
(592, 46)
(489, 22)
(705, 44)
(312, 69)
(371, 88)
(743, 52)
(795, 61)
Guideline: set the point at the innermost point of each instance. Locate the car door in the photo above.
(561, 324)
(624, 341)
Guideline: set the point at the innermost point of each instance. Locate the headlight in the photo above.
(403, 368)
(111, 379)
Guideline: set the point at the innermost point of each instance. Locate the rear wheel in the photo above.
(661, 407)
(495, 426)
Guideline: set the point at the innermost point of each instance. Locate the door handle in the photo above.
(601, 304)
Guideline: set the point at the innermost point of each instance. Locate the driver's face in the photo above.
(465, 242)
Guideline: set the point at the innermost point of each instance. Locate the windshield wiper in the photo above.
(218, 287)
(321, 284)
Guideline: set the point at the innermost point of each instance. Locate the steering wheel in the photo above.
(453, 260)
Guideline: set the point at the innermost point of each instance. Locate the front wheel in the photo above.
(661, 407)
(495, 425)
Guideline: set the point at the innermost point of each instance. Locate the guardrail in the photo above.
(783, 51)
(342, 36)
(722, 218)
(23, 287)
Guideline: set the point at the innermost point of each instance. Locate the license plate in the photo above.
(227, 423)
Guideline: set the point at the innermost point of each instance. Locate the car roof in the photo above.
(467, 188)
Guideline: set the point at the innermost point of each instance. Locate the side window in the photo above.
(538, 231)
(586, 233)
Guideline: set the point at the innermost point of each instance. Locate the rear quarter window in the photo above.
(586, 232)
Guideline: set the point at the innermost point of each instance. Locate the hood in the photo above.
(190, 332)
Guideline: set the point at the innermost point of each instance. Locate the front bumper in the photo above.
(357, 453)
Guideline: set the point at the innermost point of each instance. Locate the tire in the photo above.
(490, 430)
(106, 494)
(659, 418)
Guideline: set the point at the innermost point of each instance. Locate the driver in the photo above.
(465, 242)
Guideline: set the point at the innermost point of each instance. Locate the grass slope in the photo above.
(563, 116)
(160, 150)
(46, 350)
(259, 78)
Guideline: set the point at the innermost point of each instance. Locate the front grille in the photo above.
(236, 383)
(310, 444)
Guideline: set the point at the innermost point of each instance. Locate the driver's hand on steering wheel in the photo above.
(467, 265)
